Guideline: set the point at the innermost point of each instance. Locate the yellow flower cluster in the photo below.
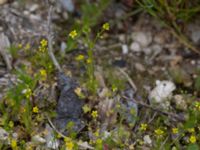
(79, 57)
(159, 132)
(192, 139)
(69, 143)
(14, 144)
(106, 26)
(35, 109)
(43, 45)
(73, 34)
(43, 74)
(143, 127)
(174, 130)
(197, 106)
(11, 124)
(79, 92)
(27, 92)
(94, 114)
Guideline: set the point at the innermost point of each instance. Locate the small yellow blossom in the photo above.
(20, 45)
(27, 46)
(86, 108)
(94, 114)
(43, 43)
(96, 133)
(192, 139)
(79, 57)
(106, 26)
(191, 130)
(27, 92)
(159, 132)
(73, 34)
(99, 141)
(43, 74)
(11, 124)
(13, 144)
(89, 60)
(35, 109)
(69, 144)
(143, 127)
(197, 106)
(174, 130)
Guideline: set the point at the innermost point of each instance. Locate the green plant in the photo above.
(172, 14)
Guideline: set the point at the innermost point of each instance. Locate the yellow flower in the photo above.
(43, 74)
(174, 130)
(35, 109)
(13, 144)
(69, 145)
(197, 106)
(79, 93)
(94, 114)
(143, 127)
(73, 34)
(11, 124)
(159, 132)
(89, 61)
(20, 45)
(99, 141)
(86, 108)
(191, 130)
(27, 47)
(79, 57)
(96, 133)
(27, 92)
(106, 26)
(43, 43)
(192, 139)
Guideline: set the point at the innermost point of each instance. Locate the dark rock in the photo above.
(69, 106)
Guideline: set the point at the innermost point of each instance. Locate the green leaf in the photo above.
(193, 147)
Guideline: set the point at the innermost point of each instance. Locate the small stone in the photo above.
(161, 94)
(147, 139)
(67, 5)
(52, 142)
(140, 67)
(38, 139)
(180, 102)
(124, 49)
(144, 39)
(135, 47)
(3, 134)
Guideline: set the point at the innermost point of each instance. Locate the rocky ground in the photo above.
(148, 84)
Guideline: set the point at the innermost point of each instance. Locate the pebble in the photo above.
(124, 49)
(144, 39)
(135, 47)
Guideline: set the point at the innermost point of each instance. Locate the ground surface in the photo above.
(37, 111)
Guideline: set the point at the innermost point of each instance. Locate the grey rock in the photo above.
(67, 5)
(69, 106)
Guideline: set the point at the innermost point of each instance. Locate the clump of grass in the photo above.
(173, 14)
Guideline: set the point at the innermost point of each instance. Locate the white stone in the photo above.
(135, 47)
(38, 139)
(52, 142)
(3, 134)
(143, 38)
(147, 139)
(161, 92)
(124, 49)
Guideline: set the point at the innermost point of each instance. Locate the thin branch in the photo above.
(157, 110)
(129, 79)
(50, 40)
(63, 136)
